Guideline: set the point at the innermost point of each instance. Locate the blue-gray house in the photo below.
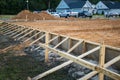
(74, 5)
(107, 6)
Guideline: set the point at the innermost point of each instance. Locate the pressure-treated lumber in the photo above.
(53, 39)
(86, 64)
(6, 48)
(7, 29)
(98, 68)
(112, 61)
(109, 73)
(69, 44)
(63, 65)
(88, 76)
(16, 31)
(46, 49)
(25, 34)
(76, 45)
(37, 39)
(105, 66)
(13, 31)
(21, 33)
(61, 42)
(32, 37)
(102, 61)
(113, 48)
(4, 27)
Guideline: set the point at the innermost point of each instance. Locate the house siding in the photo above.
(101, 8)
(75, 10)
(62, 6)
(115, 10)
(87, 6)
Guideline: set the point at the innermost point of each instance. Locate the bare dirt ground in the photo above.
(107, 31)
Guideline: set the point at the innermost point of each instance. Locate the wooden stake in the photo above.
(46, 50)
(102, 61)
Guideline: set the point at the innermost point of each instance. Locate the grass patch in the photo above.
(6, 17)
(20, 67)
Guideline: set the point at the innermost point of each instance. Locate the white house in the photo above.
(74, 5)
(107, 6)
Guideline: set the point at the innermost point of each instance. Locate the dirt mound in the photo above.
(29, 16)
(26, 14)
(47, 16)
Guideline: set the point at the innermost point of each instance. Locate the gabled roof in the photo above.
(112, 4)
(75, 3)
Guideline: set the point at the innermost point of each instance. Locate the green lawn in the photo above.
(6, 17)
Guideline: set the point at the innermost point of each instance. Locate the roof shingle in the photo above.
(75, 3)
(112, 5)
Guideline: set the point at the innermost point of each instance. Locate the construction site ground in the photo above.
(16, 64)
(96, 30)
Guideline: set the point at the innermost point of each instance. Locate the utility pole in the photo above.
(27, 4)
(49, 4)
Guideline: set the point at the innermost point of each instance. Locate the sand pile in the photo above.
(26, 14)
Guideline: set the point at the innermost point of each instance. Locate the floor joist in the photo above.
(21, 33)
(13, 33)
(76, 45)
(32, 37)
(37, 39)
(101, 68)
(26, 34)
(61, 42)
(63, 65)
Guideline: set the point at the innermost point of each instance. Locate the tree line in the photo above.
(15, 6)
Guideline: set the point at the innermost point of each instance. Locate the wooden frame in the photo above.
(26, 34)
(37, 39)
(32, 37)
(61, 42)
(101, 69)
(13, 33)
(7, 28)
(21, 33)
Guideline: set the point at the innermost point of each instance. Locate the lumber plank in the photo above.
(53, 39)
(32, 37)
(61, 42)
(26, 34)
(15, 31)
(63, 65)
(109, 73)
(86, 64)
(47, 37)
(12, 31)
(113, 48)
(21, 33)
(7, 28)
(4, 26)
(102, 61)
(114, 60)
(37, 39)
(76, 45)
(89, 75)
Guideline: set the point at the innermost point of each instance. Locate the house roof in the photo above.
(112, 5)
(75, 3)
